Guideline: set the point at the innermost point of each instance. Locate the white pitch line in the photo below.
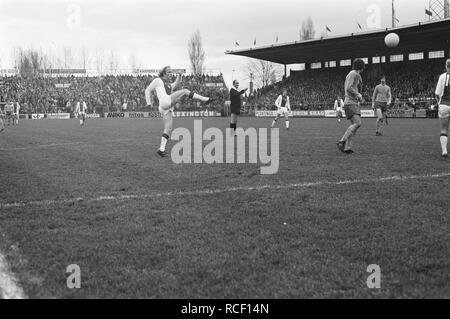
(221, 191)
(9, 288)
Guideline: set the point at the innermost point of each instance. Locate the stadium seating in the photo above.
(105, 93)
(318, 89)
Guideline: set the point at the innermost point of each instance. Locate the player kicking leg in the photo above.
(167, 98)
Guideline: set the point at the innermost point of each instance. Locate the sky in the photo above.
(156, 32)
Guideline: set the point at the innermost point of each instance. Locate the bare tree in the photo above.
(113, 62)
(29, 62)
(196, 53)
(264, 72)
(307, 31)
(67, 57)
(133, 61)
(84, 57)
(99, 62)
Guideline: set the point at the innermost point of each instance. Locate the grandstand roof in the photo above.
(428, 36)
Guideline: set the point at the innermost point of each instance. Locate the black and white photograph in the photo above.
(225, 155)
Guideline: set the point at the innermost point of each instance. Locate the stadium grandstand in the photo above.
(412, 68)
(106, 93)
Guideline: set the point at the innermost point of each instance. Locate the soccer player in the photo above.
(352, 106)
(443, 98)
(168, 97)
(284, 107)
(2, 124)
(235, 107)
(338, 107)
(16, 113)
(9, 111)
(381, 99)
(80, 110)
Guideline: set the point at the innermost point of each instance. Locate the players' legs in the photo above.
(380, 120)
(168, 125)
(233, 123)
(275, 120)
(351, 132)
(2, 124)
(444, 134)
(176, 96)
(286, 116)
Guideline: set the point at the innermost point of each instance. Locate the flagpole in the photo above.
(393, 15)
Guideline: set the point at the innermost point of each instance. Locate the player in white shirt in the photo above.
(284, 107)
(80, 111)
(168, 97)
(338, 108)
(443, 98)
(2, 123)
(16, 113)
(9, 112)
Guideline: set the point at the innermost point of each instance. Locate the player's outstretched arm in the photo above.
(278, 102)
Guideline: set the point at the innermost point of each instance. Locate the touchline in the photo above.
(184, 151)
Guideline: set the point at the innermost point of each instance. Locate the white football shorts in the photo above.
(283, 111)
(444, 111)
(165, 105)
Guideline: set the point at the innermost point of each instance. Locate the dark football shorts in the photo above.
(236, 110)
(382, 106)
(352, 110)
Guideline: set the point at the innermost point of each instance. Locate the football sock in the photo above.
(444, 141)
(287, 124)
(164, 140)
(233, 127)
(347, 133)
(198, 97)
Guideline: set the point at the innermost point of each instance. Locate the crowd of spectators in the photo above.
(101, 93)
(411, 83)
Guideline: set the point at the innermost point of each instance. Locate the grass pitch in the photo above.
(278, 242)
